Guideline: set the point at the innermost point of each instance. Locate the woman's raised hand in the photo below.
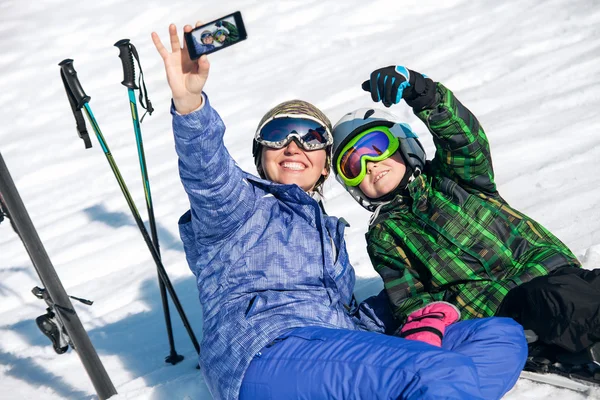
(186, 77)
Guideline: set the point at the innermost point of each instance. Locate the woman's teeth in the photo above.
(293, 166)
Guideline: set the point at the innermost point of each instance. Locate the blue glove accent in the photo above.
(403, 71)
(393, 92)
(406, 74)
(401, 88)
(384, 80)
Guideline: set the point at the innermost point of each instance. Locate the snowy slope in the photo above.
(529, 70)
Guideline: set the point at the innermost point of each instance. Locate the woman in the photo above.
(275, 283)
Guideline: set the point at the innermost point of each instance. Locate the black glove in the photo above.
(391, 84)
(219, 24)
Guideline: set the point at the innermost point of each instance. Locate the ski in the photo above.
(565, 382)
(61, 323)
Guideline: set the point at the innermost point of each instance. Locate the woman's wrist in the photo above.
(188, 105)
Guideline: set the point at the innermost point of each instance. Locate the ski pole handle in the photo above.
(126, 57)
(70, 75)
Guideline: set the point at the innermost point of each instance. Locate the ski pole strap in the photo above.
(43, 294)
(144, 100)
(84, 301)
(77, 98)
(127, 52)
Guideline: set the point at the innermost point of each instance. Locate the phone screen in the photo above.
(216, 35)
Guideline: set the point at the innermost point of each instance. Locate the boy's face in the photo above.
(207, 40)
(292, 164)
(382, 177)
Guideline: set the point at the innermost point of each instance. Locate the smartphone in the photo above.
(216, 35)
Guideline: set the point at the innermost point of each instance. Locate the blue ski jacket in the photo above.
(265, 256)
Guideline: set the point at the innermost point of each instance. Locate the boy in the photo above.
(226, 33)
(441, 231)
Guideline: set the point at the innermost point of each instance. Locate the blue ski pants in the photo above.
(479, 359)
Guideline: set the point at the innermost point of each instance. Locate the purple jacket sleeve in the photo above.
(221, 199)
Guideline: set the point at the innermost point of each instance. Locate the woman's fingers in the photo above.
(186, 29)
(175, 46)
(164, 53)
(186, 78)
(203, 67)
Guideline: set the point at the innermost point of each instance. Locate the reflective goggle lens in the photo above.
(308, 132)
(375, 145)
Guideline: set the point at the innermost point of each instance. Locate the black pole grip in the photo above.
(70, 75)
(126, 57)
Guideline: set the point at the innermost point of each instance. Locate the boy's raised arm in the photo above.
(463, 152)
(462, 148)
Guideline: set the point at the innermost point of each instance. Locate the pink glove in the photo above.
(429, 323)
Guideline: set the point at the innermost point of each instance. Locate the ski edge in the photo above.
(561, 382)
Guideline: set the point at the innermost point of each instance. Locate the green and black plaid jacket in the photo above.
(455, 238)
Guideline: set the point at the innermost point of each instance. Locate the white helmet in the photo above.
(360, 120)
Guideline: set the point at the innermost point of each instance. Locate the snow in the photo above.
(528, 70)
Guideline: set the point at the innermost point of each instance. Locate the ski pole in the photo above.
(57, 296)
(79, 99)
(126, 53)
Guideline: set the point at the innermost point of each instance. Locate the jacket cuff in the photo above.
(175, 112)
(423, 95)
(194, 123)
(411, 305)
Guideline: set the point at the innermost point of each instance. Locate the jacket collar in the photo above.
(415, 193)
(292, 193)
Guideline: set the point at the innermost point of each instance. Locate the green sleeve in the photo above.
(401, 280)
(233, 31)
(462, 148)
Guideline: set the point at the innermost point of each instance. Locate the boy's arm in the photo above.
(233, 30)
(463, 152)
(462, 148)
(220, 197)
(402, 282)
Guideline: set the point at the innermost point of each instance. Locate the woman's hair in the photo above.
(300, 108)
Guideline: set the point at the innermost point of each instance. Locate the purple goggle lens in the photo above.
(373, 144)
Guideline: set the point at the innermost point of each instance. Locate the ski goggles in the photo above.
(205, 35)
(375, 144)
(278, 131)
